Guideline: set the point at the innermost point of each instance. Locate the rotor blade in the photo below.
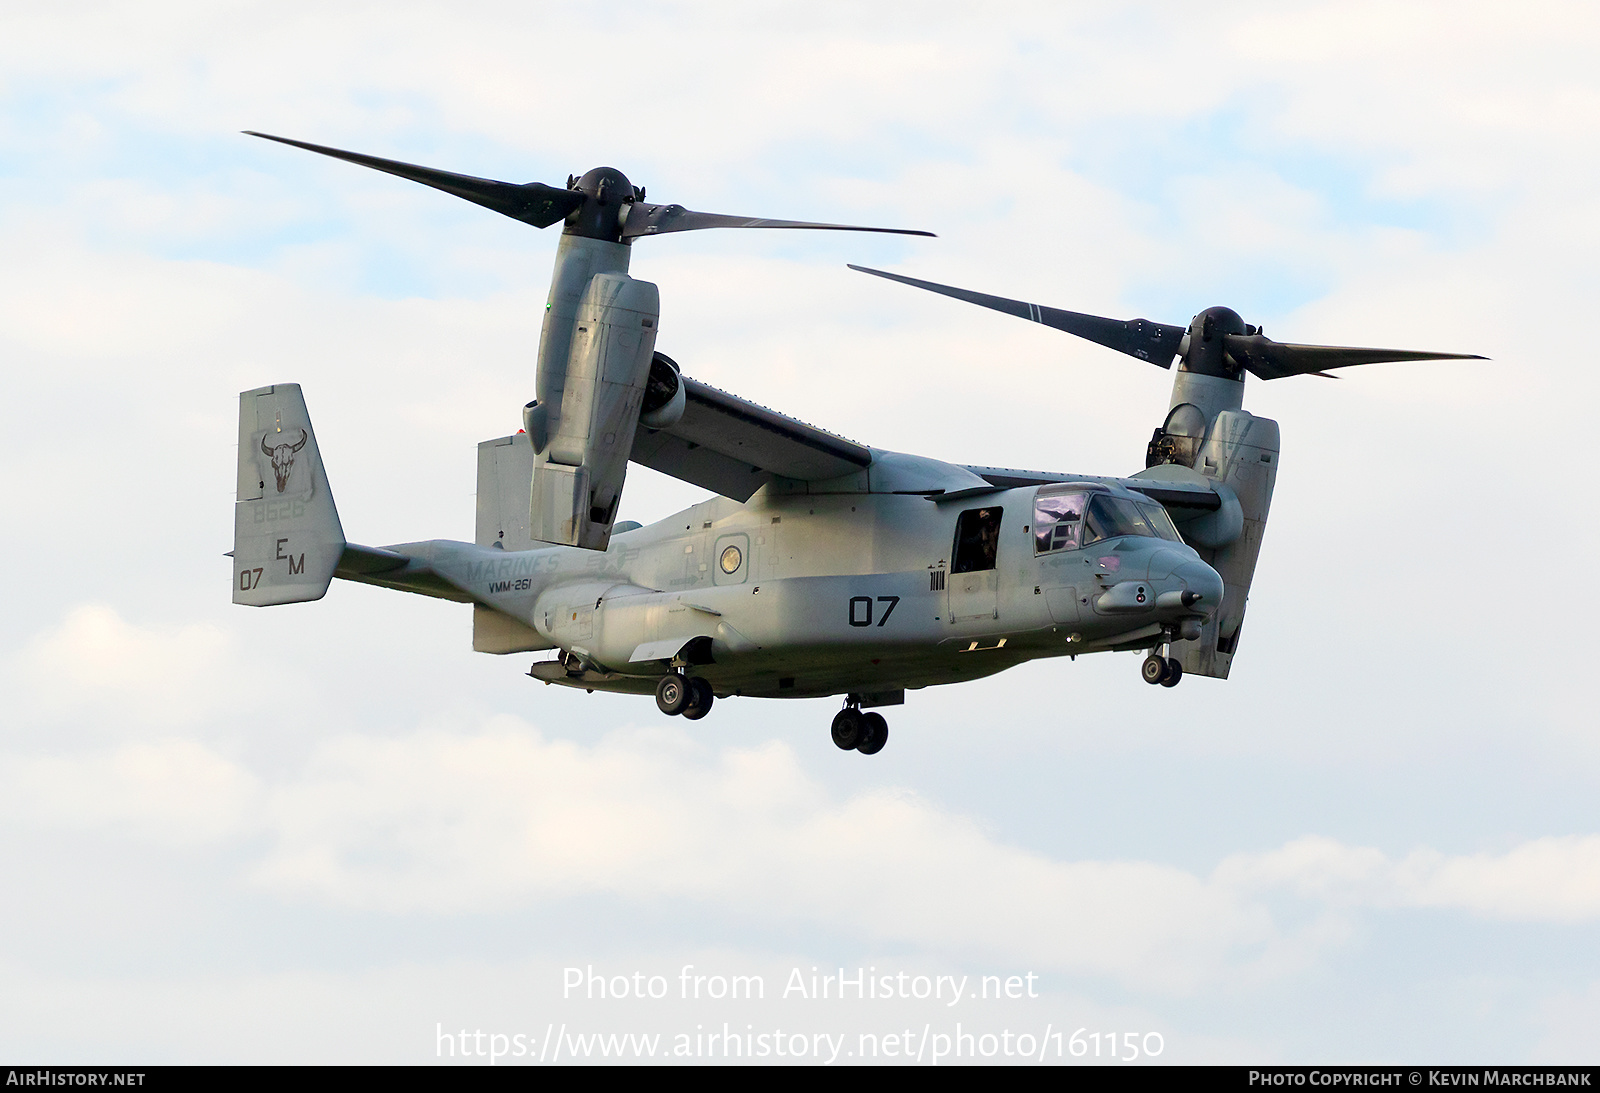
(532, 203)
(1270, 360)
(1153, 342)
(646, 219)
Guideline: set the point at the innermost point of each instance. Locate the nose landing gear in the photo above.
(689, 696)
(853, 730)
(1163, 670)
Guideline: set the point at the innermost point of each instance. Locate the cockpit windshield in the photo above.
(1109, 517)
(1068, 519)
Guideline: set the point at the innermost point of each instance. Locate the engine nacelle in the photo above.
(1179, 438)
(579, 475)
(1240, 458)
(536, 423)
(664, 395)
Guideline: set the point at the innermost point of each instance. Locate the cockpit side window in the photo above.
(977, 540)
(1058, 521)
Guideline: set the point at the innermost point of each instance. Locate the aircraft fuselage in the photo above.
(795, 594)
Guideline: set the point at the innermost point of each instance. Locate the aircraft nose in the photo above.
(1199, 577)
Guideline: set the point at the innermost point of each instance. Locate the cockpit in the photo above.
(1070, 517)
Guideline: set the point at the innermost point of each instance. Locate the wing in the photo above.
(734, 447)
(1184, 498)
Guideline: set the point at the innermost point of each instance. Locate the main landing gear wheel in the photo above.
(847, 728)
(672, 694)
(874, 734)
(700, 699)
(1174, 673)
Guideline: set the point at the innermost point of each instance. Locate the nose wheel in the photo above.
(1163, 670)
(853, 730)
(690, 697)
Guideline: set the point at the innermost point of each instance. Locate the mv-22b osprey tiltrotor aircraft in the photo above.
(824, 567)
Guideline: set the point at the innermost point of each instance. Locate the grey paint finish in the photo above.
(286, 535)
(825, 566)
(831, 593)
(1211, 463)
(505, 467)
(733, 447)
(578, 478)
(578, 260)
(1241, 455)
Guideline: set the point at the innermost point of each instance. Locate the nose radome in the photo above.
(1201, 578)
(1164, 562)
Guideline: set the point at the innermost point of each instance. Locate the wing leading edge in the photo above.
(1172, 492)
(734, 447)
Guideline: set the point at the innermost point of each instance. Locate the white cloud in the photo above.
(171, 791)
(1553, 879)
(95, 664)
(487, 821)
(467, 824)
(450, 823)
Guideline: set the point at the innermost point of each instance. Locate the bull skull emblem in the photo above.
(282, 456)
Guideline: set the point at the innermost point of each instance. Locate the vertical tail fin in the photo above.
(286, 534)
(505, 469)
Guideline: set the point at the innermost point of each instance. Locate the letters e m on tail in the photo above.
(286, 534)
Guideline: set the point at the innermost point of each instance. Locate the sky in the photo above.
(330, 832)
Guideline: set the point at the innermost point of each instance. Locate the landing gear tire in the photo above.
(874, 734)
(700, 699)
(672, 694)
(1154, 669)
(1174, 673)
(847, 728)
